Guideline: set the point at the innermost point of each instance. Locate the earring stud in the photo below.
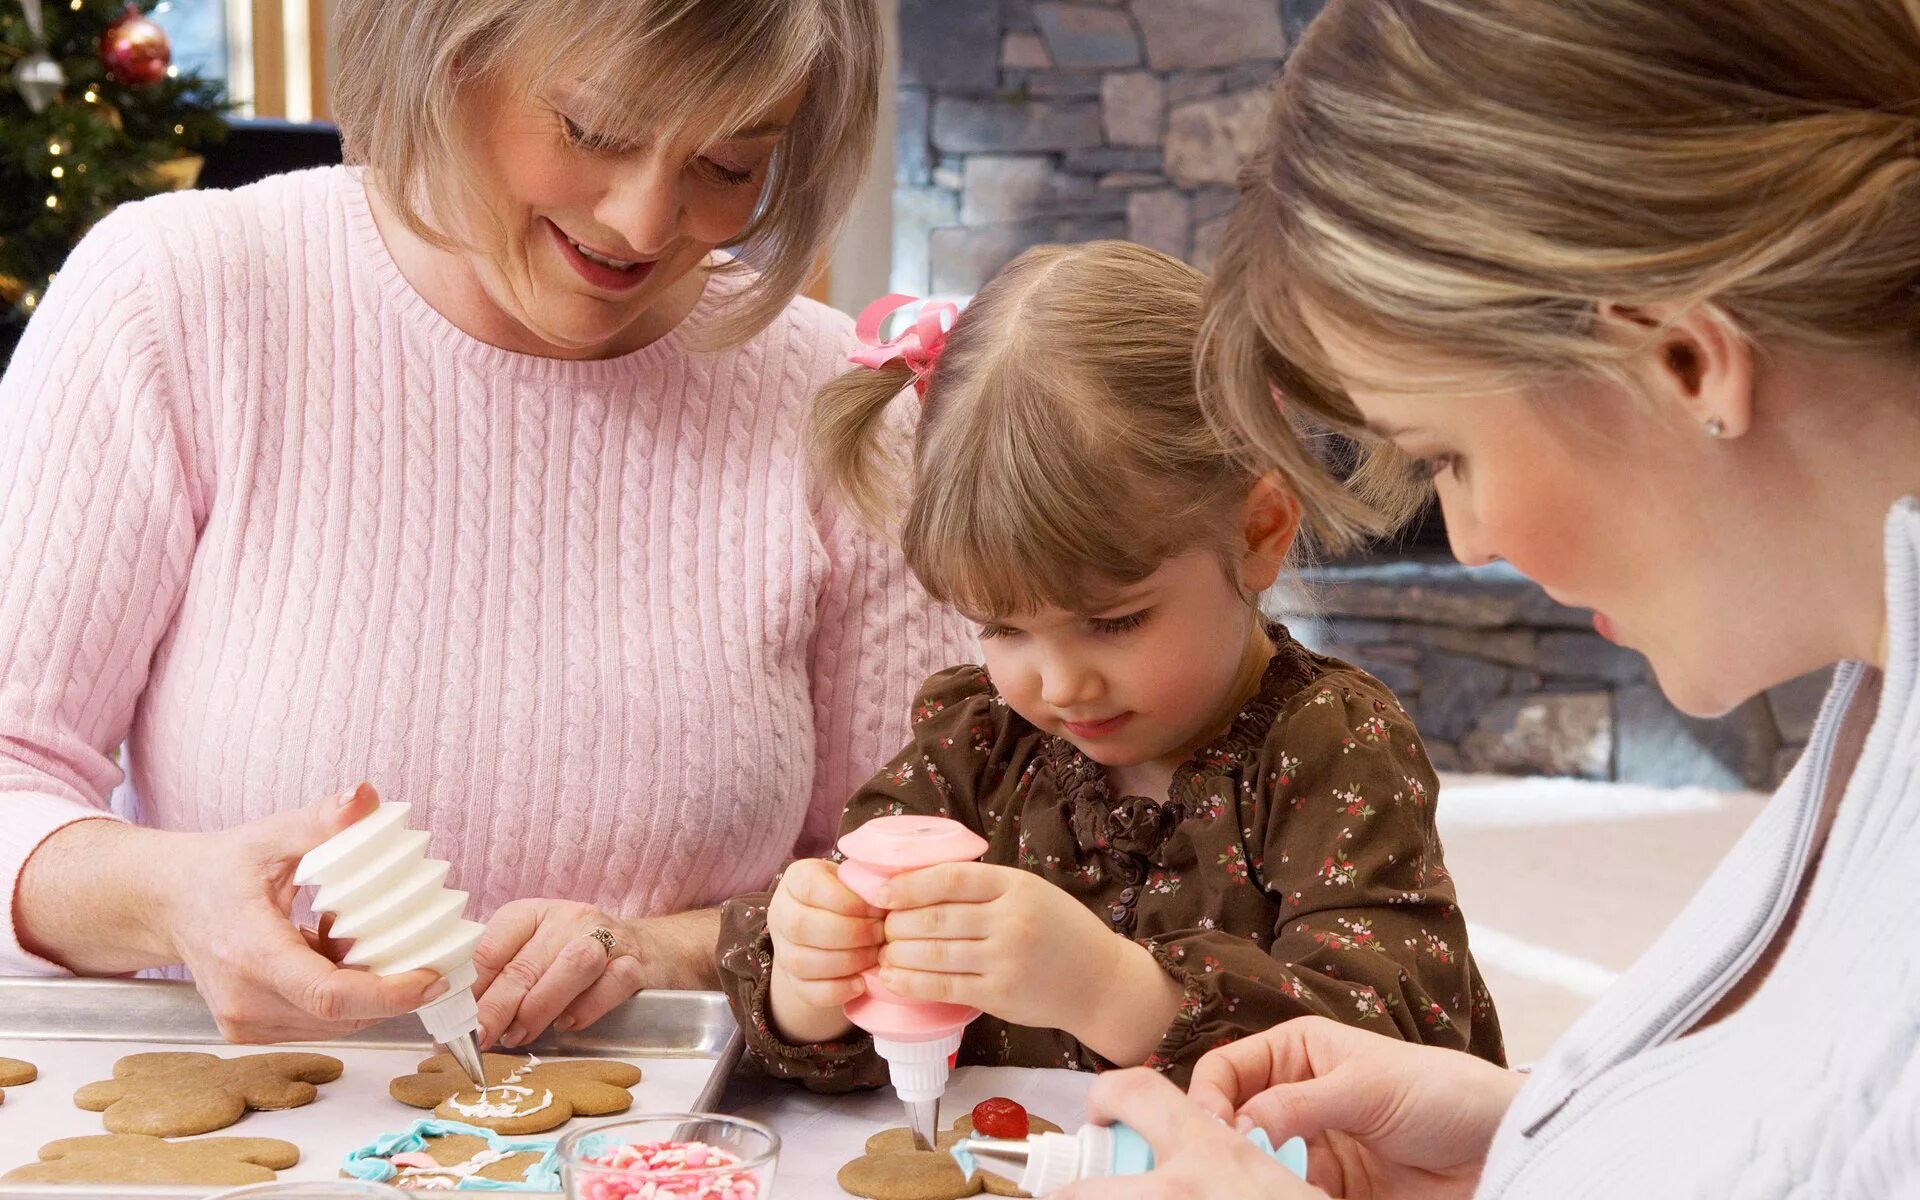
(1716, 428)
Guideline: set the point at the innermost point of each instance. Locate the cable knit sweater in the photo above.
(276, 525)
(1812, 1087)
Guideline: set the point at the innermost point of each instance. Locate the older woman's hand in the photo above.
(1382, 1118)
(1195, 1154)
(226, 914)
(544, 962)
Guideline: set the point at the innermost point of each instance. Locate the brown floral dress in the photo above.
(1294, 870)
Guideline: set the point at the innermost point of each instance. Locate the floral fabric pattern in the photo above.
(1293, 870)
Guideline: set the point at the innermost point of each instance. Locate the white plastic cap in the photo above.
(1055, 1160)
(455, 1013)
(919, 1070)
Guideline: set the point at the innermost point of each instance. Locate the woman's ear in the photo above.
(1269, 522)
(1694, 360)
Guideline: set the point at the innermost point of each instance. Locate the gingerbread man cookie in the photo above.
(178, 1094)
(449, 1156)
(137, 1158)
(523, 1094)
(891, 1169)
(13, 1073)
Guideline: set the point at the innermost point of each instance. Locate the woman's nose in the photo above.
(645, 207)
(1465, 536)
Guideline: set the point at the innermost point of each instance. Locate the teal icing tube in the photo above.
(1047, 1162)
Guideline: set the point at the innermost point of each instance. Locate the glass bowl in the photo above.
(660, 1157)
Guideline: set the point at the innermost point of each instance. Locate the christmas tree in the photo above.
(92, 115)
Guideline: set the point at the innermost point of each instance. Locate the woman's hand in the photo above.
(539, 964)
(226, 900)
(1383, 1119)
(823, 937)
(1195, 1155)
(1009, 943)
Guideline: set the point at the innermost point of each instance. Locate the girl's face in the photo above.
(1682, 544)
(596, 241)
(1142, 683)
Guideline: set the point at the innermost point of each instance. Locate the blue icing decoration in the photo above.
(962, 1153)
(370, 1161)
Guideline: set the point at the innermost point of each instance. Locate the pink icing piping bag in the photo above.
(917, 1038)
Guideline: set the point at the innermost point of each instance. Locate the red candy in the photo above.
(1000, 1118)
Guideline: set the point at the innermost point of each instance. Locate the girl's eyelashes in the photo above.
(1436, 465)
(1115, 625)
(989, 630)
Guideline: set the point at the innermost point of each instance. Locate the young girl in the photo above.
(1198, 827)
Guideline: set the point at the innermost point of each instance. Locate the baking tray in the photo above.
(685, 1043)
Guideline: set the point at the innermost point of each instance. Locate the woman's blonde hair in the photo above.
(1473, 179)
(1061, 454)
(645, 70)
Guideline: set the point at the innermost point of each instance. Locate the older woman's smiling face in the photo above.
(590, 242)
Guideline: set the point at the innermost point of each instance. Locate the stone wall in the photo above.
(1500, 678)
(1028, 121)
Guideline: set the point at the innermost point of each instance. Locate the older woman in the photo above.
(1637, 285)
(472, 471)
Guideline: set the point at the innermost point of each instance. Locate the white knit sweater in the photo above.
(1812, 1087)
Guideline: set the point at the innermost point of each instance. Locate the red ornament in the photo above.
(134, 50)
(1000, 1118)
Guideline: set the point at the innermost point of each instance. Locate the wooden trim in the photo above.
(820, 283)
(318, 41)
(269, 58)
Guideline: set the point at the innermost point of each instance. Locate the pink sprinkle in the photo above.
(653, 1171)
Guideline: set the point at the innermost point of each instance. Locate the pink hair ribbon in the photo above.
(918, 346)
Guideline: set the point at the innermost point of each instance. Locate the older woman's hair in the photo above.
(1472, 179)
(1061, 455)
(644, 70)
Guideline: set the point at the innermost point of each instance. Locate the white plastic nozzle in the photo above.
(919, 1070)
(1058, 1159)
(455, 1013)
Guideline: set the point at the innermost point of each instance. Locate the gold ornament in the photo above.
(176, 174)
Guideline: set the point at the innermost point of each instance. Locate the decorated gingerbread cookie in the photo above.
(523, 1094)
(891, 1169)
(137, 1158)
(180, 1094)
(14, 1073)
(445, 1156)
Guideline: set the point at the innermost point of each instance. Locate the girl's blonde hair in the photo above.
(1061, 454)
(1473, 179)
(645, 70)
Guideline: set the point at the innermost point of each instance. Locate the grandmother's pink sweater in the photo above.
(272, 522)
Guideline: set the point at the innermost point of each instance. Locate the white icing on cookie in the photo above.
(508, 1107)
(448, 1177)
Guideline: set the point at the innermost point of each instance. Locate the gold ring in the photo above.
(603, 935)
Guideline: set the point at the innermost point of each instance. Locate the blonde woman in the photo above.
(1636, 284)
(472, 471)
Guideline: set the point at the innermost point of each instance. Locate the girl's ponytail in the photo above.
(846, 442)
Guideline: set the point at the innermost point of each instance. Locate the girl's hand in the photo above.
(1195, 1156)
(823, 936)
(1009, 943)
(538, 964)
(1383, 1119)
